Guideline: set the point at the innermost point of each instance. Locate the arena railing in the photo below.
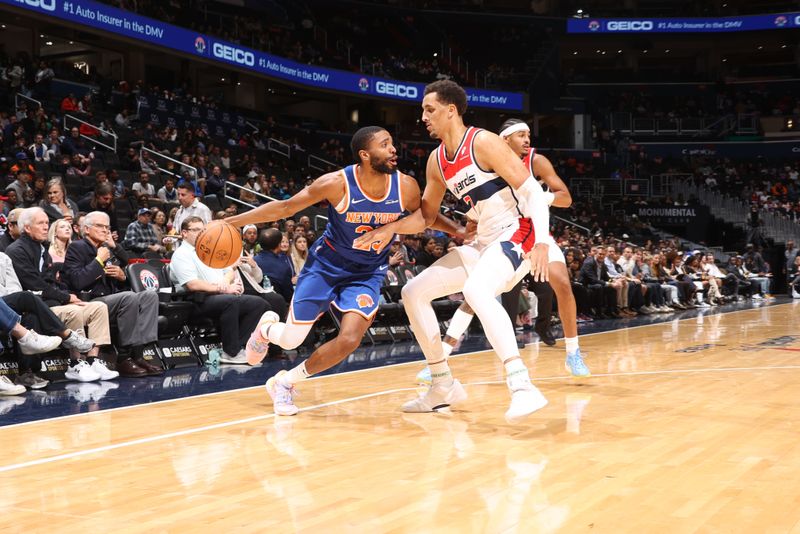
(315, 162)
(279, 147)
(158, 155)
(240, 188)
(20, 96)
(94, 140)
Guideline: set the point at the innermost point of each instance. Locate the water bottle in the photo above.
(213, 357)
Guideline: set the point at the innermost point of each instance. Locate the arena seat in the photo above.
(173, 313)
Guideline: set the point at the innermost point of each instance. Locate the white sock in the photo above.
(516, 371)
(459, 324)
(295, 375)
(440, 373)
(447, 349)
(572, 344)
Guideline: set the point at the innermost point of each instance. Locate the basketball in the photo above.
(219, 245)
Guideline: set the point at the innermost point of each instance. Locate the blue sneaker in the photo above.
(576, 366)
(424, 377)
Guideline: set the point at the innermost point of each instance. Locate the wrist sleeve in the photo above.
(533, 205)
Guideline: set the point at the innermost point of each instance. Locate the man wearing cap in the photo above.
(22, 164)
(140, 237)
(12, 229)
(21, 184)
(95, 265)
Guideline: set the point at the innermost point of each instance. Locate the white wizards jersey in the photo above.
(490, 198)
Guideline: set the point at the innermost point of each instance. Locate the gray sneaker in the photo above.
(78, 341)
(31, 381)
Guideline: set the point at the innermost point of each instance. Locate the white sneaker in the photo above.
(76, 340)
(81, 372)
(525, 399)
(7, 387)
(437, 396)
(239, 359)
(282, 396)
(33, 343)
(99, 367)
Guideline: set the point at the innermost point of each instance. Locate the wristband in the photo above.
(549, 197)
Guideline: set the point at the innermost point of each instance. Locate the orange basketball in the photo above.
(219, 245)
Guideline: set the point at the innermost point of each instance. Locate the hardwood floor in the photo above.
(687, 426)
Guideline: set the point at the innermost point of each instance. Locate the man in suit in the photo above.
(93, 266)
(594, 275)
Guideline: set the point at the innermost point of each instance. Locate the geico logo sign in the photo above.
(234, 54)
(47, 5)
(629, 25)
(395, 89)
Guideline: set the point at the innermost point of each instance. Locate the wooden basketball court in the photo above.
(687, 426)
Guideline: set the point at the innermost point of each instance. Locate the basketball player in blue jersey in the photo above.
(516, 134)
(512, 239)
(337, 273)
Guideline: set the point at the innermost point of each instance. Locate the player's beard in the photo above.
(384, 166)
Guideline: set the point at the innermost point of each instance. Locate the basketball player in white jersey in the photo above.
(512, 239)
(517, 134)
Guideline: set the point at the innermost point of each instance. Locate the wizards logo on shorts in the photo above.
(200, 45)
(594, 25)
(363, 84)
(364, 301)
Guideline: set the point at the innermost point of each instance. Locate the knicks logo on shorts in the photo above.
(364, 301)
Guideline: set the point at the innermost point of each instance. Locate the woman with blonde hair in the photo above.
(298, 251)
(59, 236)
(56, 204)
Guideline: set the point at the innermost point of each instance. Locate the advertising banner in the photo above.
(778, 21)
(124, 23)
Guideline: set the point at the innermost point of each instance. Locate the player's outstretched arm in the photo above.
(424, 210)
(543, 169)
(328, 187)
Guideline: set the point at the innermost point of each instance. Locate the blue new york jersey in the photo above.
(359, 213)
(336, 274)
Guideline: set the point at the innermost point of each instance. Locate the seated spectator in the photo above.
(218, 292)
(102, 200)
(94, 266)
(215, 182)
(427, 255)
(140, 237)
(12, 229)
(298, 252)
(75, 144)
(37, 316)
(34, 268)
(59, 236)
(69, 104)
(159, 224)
(57, 204)
(275, 265)
(143, 190)
(168, 194)
(39, 150)
(250, 240)
(190, 206)
(79, 166)
(21, 184)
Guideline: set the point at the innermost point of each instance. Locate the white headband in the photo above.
(514, 128)
(249, 226)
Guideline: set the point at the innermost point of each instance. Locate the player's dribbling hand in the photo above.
(538, 257)
(377, 240)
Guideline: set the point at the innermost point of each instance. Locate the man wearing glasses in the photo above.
(219, 294)
(94, 265)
